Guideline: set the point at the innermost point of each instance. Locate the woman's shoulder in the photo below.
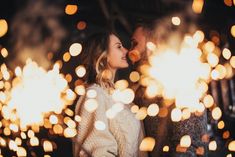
(97, 88)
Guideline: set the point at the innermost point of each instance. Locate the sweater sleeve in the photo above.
(95, 142)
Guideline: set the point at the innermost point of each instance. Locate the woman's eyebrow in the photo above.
(118, 43)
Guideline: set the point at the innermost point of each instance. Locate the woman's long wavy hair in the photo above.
(94, 58)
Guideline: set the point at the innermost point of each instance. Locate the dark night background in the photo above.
(216, 19)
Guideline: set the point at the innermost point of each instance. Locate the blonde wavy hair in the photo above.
(94, 58)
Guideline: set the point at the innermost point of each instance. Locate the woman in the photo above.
(98, 135)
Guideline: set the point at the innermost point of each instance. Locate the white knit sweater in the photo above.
(120, 138)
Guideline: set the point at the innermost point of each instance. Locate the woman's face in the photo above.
(116, 53)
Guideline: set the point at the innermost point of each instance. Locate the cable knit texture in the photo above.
(120, 138)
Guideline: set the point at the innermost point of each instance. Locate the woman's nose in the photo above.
(125, 50)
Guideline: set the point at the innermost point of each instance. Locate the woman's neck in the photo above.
(113, 71)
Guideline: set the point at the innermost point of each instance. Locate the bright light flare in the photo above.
(147, 144)
(3, 27)
(36, 93)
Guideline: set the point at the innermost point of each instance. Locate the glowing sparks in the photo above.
(3, 27)
(33, 80)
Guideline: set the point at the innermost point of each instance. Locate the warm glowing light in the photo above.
(166, 149)
(147, 144)
(186, 114)
(229, 155)
(21, 151)
(229, 70)
(80, 90)
(226, 134)
(75, 49)
(198, 36)
(23, 135)
(53, 119)
(152, 90)
(44, 88)
(68, 77)
(221, 124)
(34, 141)
(66, 56)
(121, 84)
(222, 71)
(215, 74)
(30, 133)
(153, 110)
(47, 146)
(81, 25)
(134, 76)
(80, 71)
(90, 105)
(232, 61)
(4, 52)
(78, 118)
(226, 53)
(13, 145)
(134, 109)
(3, 27)
(91, 93)
(208, 101)
(99, 125)
(212, 145)
(176, 115)
(18, 71)
(163, 112)
(200, 151)
(216, 113)
(229, 3)
(212, 59)
(141, 113)
(127, 96)
(70, 132)
(233, 31)
(58, 129)
(197, 6)
(231, 146)
(71, 9)
(114, 110)
(185, 141)
(151, 46)
(175, 20)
